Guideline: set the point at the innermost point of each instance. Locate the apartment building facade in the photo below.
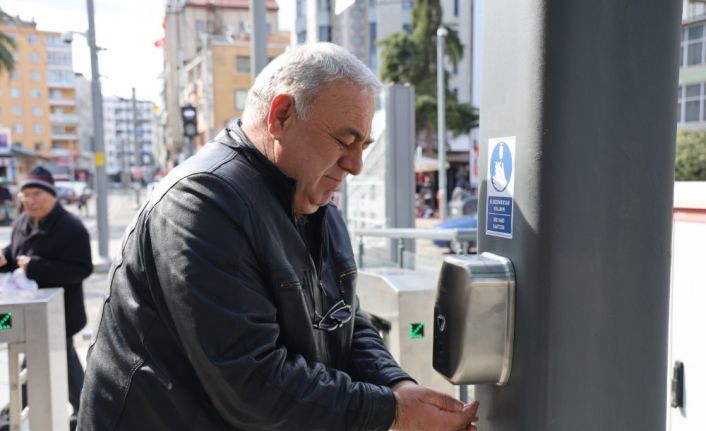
(691, 102)
(38, 102)
(218, 80)
(190, 26)
(129, 138)
(363, 23)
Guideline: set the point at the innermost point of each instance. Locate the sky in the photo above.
(127, 29)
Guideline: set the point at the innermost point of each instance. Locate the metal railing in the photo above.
(462, 236)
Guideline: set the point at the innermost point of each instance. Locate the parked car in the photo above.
(70, 192)
(463, 222)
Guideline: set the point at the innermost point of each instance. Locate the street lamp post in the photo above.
(441, 34)
(103, 262)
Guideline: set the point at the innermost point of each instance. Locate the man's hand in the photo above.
(423, 409)
(23, 261)
(3, 259)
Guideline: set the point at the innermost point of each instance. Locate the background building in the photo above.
(24, 100)
(63, 118)
(190, 25)
(361, 25)
(691, 103)
(129, 138)
(84, 109)
(218, 80)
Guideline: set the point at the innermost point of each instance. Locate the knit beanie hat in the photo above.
(41, 178)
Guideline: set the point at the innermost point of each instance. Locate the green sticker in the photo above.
(6, 321)
(416, 330)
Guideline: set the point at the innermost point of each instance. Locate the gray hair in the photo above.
(303, 72)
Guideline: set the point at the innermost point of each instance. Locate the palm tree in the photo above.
(7, 44)
(412, 59)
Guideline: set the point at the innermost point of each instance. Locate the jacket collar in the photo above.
(47, 222)
(280, 183)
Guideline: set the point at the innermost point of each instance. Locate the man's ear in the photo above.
(281, 112)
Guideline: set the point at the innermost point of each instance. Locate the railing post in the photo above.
(400, 248)
(361, 251)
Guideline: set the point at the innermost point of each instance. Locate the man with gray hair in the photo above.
(232, 305)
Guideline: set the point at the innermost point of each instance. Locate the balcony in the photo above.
(62, 102)
(64, 118)
(63, 136)
(61, 84)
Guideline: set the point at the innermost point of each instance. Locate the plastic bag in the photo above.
(18, 281)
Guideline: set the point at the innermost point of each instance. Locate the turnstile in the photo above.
(401, 302)
(32, 322)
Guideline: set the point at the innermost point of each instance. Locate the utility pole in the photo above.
(441, 34)
(137, 155)
(125, 154)
(102, 264)
(258, 38)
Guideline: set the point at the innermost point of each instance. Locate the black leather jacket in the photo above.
(207, 324)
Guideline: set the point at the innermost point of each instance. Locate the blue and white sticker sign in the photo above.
(501, 186)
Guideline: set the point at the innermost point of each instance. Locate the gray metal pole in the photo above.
(588, 91)
(441, 34)
(258, 39)
(103, 261)
(399, 162)
(135, 140)
(137, 148)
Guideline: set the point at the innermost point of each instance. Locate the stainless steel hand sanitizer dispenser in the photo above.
(474, 319)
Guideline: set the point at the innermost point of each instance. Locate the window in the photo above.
(32, 39)
(37, 112)
(38, 146)
(15, 75)
(407, 27)
(61, 59)
(35, 76)
(33, 57)
(55, 41)
(456, 8)
(17, 128)
(36, 93)
(407, 4)
(691, 103)
(324, 5)
(15, 92)
(240, 98)
(301, 36)
(692, 45)
(242, 63)
(38, 128)
(325, 33)
(17, 111)
(61, 77)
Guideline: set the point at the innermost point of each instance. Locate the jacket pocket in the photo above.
(295, 315)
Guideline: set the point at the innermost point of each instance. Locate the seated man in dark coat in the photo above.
(53, 248)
